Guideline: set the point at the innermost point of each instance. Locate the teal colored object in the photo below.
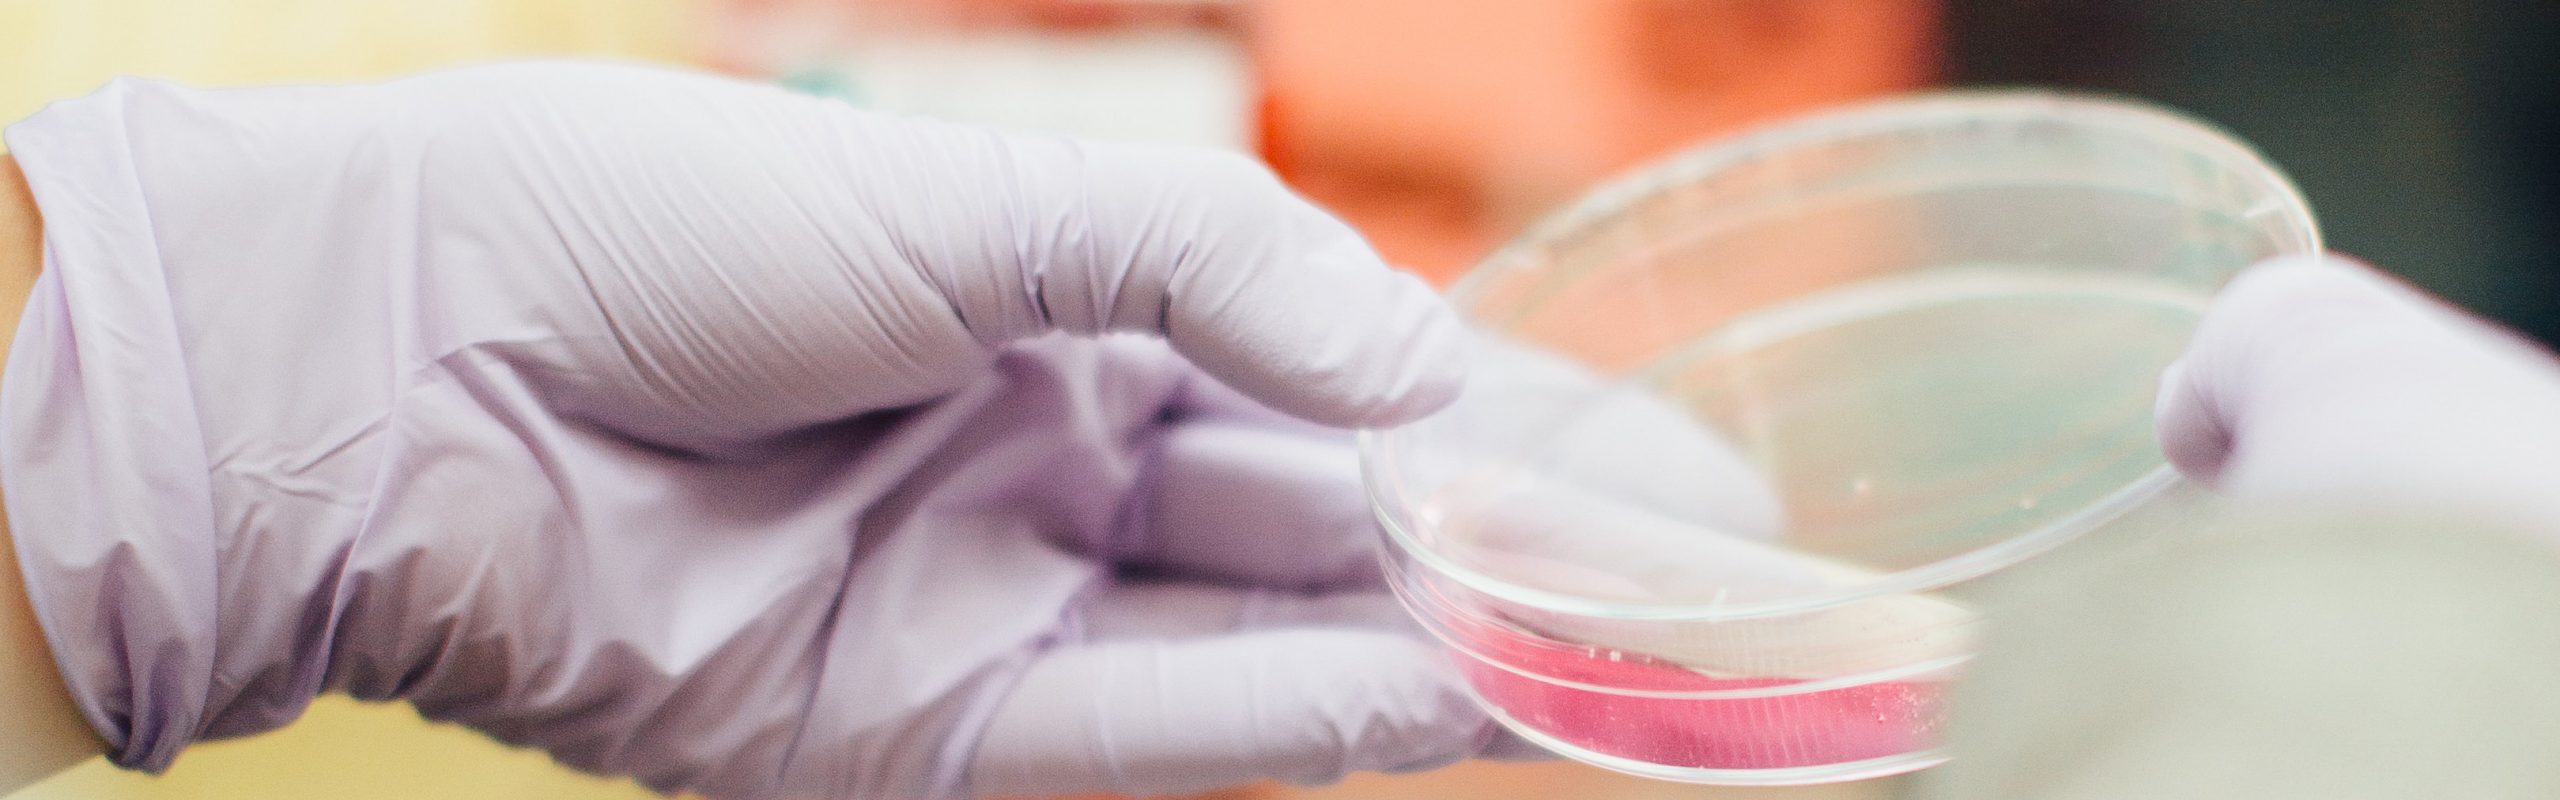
(837, 84)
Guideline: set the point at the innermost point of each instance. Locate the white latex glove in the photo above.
(2321, 381)
(735, 440)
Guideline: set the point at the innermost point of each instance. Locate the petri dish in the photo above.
(1751, 422)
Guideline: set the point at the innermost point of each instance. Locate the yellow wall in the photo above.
(51, 49)
(345, 749)
(59, 48)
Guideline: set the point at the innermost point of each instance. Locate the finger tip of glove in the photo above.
(1406, 704)
(1304, 705)
(1294, 308)
(2270, 302)
(1392, 360)
(2190, 437)
(2280, 327)
(1343, 702)
(1427, 362)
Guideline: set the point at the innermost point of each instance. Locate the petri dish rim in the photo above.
(1457, 645)
(2169, 130)
(1936, 110)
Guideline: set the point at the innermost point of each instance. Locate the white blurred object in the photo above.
(2342, 655)
(1152, 85)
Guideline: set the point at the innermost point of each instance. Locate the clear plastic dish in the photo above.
(1754, 418)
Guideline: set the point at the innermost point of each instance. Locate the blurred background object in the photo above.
(2341, 656)
(1160, 72)
(2419, 128)
(1441, 128)
(1436, 127)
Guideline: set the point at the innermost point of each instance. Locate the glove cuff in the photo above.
(109, 498)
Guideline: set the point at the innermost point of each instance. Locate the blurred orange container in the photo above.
(1439, 127)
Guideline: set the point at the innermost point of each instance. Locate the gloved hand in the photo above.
(738, 441)
(2367, 616)
(2320, 381)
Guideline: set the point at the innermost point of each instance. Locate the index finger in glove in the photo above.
(1251, 282)
(753, 261)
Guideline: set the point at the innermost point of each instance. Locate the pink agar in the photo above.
(1759, 731)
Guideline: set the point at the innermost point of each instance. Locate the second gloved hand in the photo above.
(2369, 618)
(2322, 382)
(734, 440)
